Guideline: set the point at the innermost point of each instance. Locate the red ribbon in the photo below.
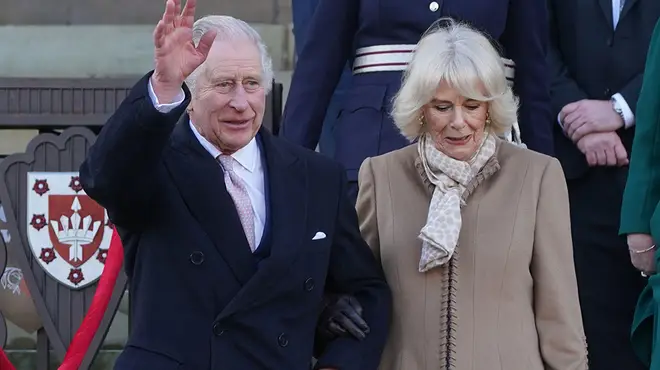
(90, 325)
(4, 362)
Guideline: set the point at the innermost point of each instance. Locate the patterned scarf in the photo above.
(450, 177)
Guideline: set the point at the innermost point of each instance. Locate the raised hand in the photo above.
(176, 56)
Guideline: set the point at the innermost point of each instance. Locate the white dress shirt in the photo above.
(628, 115)
(251, 169)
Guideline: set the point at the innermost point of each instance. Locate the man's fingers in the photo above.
(349, 326)
(168, 16)
(158, 34)
(334, 328)
(568, 108)
(357, 320)
(188, 15)
(621, 155)
(591, 158)
(601, 157)
(177, 8)
(206, 42)
(356, 305)
(610, 157)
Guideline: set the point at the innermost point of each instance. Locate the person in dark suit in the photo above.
(597, 56)
(302, 12)
(377, 37)
(231, 235)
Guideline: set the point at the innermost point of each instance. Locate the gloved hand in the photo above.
(342, 316)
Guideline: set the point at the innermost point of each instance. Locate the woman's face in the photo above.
(455, 123)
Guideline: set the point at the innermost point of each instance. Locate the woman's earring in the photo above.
(421, 120)
(488, 121)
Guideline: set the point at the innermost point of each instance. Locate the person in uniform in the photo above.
(302, 13)
(377, 38)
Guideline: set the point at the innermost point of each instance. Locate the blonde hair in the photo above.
(467, 61)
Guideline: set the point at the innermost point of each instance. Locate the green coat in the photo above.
(640, 211)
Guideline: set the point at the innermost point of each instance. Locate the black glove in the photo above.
(342, 316)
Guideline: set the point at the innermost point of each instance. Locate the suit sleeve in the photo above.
(321, 61)
(556, 303)
(525, 41)
(120, 170)
(354, 270)
(366, 207)
(642, 192)
(563, 88)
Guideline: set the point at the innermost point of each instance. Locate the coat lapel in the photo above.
(288, 192)
(626, 8)
(606, 7)
(200, 181)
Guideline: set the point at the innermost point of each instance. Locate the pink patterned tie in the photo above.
(238, 191)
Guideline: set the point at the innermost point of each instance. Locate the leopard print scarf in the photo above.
(450, 177)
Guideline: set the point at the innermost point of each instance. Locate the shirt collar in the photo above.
(246, 156)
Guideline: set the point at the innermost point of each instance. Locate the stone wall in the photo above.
(96, 12)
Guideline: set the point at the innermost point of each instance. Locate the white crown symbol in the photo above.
(77, 235)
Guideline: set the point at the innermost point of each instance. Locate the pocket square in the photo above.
(319, 235)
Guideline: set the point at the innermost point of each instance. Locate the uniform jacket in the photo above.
(364, 127)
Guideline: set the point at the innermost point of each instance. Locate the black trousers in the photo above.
(608, 284)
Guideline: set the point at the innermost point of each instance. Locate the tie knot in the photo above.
(227, 162)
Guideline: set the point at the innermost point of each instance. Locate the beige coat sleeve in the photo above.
(556, 302)
(366, 207)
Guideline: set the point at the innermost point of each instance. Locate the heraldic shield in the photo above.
(60, 236)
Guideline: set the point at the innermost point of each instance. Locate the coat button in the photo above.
(197, 257)
(309, 284)
(282, 341)
(434, 6)
(610, 42)
(217, 329)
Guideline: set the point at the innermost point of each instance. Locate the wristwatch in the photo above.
(617, 108)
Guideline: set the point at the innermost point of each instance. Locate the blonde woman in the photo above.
(473, 233)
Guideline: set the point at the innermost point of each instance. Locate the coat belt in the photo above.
(383, 58)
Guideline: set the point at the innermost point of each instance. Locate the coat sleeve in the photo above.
(642, 192)
(321, 61)
(563, 88)
(556, 302)
(354, 270)
(120, 171)
(366, 207)
(525, 41)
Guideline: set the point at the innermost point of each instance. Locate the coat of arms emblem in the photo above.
(68, 232)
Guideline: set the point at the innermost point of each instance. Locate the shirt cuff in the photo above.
(165, 108)
(561, 124)
(628, 116)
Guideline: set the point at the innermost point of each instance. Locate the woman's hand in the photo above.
(642, 253)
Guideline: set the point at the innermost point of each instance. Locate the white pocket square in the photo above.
(319, 235)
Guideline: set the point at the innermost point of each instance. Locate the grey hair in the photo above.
(466, 60)
(231, 29)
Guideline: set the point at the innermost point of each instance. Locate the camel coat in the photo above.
(508, 298)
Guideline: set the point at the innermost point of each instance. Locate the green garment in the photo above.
(640, 212)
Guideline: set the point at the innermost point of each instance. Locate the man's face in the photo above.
(229, 102)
